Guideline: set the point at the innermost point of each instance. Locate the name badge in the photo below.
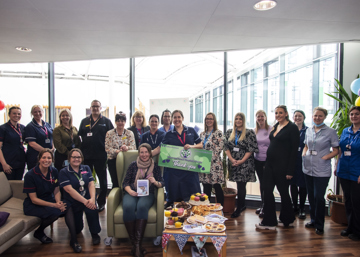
(347, 153)
(299, 149)
(236, 149)
(73, 146)
(47, 141)
(89, 134)
(313, 152)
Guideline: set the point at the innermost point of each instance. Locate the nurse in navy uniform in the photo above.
(93, 130)
(180, 184)
(154, 136)
(12, 152)
(44, 199)
(38, 135)
(166, 121)
(79, 195)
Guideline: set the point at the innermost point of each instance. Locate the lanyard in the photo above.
(70, 132)
(302, 132)
(348, 146)
(143, 175)
(314, 139)
(207, 138)
(95, 122)
(155, 138)
(17, 130)
(45, 131)
(237, 136)
(182, 142)
(43, 177)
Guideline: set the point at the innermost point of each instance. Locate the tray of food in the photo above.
(196, 219)
(199, 199)
(200, 210)
(214, 227)
(170, 224)
(184, 205)
(213, 207)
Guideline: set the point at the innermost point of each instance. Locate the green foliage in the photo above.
(341, 117)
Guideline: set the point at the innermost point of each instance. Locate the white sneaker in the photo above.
(281, 224)
(261, 226)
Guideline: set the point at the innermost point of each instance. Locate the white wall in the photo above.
(351, 66)
(157, 106)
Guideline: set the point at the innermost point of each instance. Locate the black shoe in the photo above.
(354, 237)
(168, 204)
(43, 238)
(258, 210)
(310, 225)
(319, 231)
(76, 246)
(101, 207)
(296, 210)
(95, 239)
(302, 214)
(345, 232)
(261, 214)
(236, 214)
(242, 208)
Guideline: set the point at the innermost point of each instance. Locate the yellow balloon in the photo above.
(357, 101)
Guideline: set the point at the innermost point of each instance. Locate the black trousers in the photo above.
(113, 173)
(100, 168)
(276, 178)
(218, 192)
(16, 174)
(260, 169)
(352, 204)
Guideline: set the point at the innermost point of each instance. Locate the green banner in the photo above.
(197, 160)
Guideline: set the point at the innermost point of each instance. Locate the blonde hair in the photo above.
(36, 106)
(257, 124)
(138, 113)
(69, 113)
(215, 127)
(243, 133)
(322, 110)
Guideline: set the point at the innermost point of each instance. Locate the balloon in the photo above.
(357, 101)
(2, 105)
(355, 86)
(359, 92)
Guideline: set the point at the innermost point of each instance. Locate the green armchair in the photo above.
(115, 223)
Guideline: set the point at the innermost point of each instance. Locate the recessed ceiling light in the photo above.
(23, 49)
(265, 5)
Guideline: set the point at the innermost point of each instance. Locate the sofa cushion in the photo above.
(6, 192)
(29, 221)
(119, 212)
(11, 228)
(3, 217)
(14, 204)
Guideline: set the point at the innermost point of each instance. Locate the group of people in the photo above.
(288, 154)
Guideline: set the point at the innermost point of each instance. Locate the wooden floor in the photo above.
(243, 240)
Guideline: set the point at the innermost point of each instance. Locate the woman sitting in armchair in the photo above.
(136, 207)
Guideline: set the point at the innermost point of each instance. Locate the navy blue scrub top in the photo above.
(181, 184)
(153, 140)
(13, 149)
(36, 133)
(299, 178)
(67, 177)
(35, 182)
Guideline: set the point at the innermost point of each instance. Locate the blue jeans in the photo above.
(137, 208)
(316, 188)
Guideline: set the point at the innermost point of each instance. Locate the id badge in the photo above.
(313, 152)
(66, 163)
(347, 153)
(89, 134)
(299, 149)
(47, 141)
(73, 146)
(236, 149)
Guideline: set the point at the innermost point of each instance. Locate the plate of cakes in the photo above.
(199, 199)
(196, 219)
(214, 227)
(213, 207)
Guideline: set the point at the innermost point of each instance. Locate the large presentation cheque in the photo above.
(197, 160)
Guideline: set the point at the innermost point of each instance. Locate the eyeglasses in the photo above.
(95, 106)
(166, 116)
(76, 157)
(209, 119)
(138, 117)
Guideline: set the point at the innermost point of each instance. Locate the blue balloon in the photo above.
(359, 92)
(355, 86)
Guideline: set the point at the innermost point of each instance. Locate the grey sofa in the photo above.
(18, 224)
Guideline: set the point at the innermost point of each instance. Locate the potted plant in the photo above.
(337, 211)
(229, 193)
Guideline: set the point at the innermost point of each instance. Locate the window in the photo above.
(258, 74)
(326, 85)
(244, 93)
(191, 111)
(272, 68)
(273, 98)
(299, 57)
(207, 102)
(218, 103)
(229, 105)
(199, 109)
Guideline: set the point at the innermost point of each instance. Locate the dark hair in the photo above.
(14, 108)
(43, 151)
(302, 113)
(147, 146)
(215, 127)
(162, 116)
(181, 113)
(120, 116)
(354, 108)
(285, 109)
(95, 101)
(154, 115)
(75, 150)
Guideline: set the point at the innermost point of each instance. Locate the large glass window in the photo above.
(258, 96)
(207, 102)
(199, 109)
(273, 68)
(273, 98)
(218, 95)
(299, 56)
(326, 85)
(258, 74)
(229, 105)
(191, 111)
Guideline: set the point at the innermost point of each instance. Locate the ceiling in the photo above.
(68, 30)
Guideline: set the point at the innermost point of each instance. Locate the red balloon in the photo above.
(2, 105)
